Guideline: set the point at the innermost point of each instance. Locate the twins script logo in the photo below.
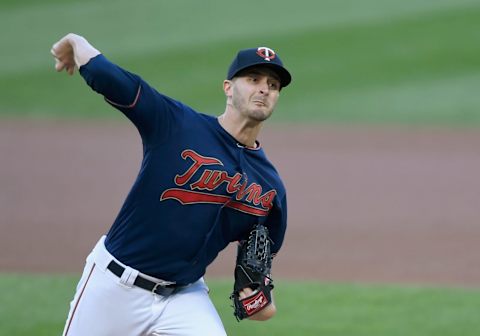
(255, 202)
(266, 53)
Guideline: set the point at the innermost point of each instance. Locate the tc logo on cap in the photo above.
(266, 53)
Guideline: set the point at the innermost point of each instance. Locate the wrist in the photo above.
(83, 51)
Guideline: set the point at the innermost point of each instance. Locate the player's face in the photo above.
(254, 93)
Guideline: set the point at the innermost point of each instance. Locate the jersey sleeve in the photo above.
(277, 224)
(156, 116)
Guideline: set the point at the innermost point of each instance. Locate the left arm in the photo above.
(252, 289)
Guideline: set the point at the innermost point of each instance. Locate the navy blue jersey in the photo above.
(198, 189)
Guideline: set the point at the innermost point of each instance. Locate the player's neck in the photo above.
(243, 131)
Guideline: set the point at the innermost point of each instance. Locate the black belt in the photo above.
(151, 286)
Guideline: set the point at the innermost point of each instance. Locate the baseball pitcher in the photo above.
(204, 182)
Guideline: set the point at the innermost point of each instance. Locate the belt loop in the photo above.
(101, 255)
(128, 276)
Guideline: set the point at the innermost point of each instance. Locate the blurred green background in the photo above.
(37, 305)
(356, 62)
(371, 61)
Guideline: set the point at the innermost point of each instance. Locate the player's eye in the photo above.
(274, 85)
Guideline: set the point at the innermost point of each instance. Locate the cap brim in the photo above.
(283, 74)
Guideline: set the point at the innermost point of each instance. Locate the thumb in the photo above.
(59, 66)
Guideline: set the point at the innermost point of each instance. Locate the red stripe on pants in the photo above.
(78, 301)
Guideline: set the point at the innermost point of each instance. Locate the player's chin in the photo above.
(260, 114)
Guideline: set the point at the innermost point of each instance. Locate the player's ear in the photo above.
(227, 87)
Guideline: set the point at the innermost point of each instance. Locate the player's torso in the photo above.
(195, 193)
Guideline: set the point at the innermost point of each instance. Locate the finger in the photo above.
(59, 66)
(58, 48)
(55, 51)
(247, 291)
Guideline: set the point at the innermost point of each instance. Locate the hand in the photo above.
(63, 53)
(247, 291)
(263, 315)
(71, 52)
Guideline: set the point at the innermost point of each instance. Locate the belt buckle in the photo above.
(166, 290)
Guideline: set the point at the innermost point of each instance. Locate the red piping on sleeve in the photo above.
(127, 106)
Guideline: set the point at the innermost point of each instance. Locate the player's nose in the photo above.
(264, 87)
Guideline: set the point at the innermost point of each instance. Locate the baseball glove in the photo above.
(254, 262)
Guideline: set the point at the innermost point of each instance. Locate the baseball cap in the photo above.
(264, 56)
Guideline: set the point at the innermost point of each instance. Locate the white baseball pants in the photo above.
(106, 305)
